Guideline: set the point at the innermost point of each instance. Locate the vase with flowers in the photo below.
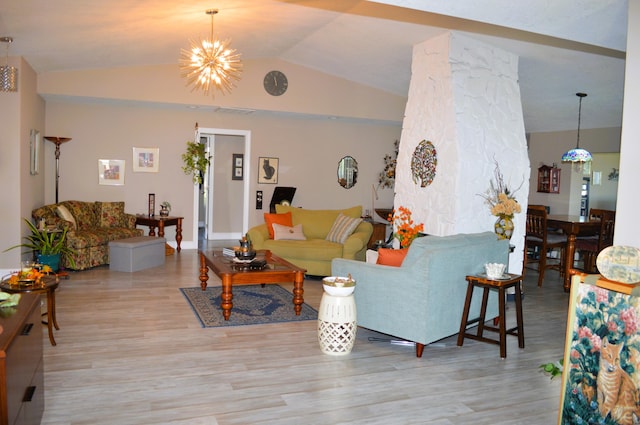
(503, 204)
(405, 229)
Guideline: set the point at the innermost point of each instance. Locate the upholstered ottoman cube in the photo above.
(134, 254)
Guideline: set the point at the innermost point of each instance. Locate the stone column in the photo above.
(464, 97)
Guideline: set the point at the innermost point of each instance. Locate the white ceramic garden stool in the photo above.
(337, 324)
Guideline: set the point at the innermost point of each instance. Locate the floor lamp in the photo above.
(57, 141)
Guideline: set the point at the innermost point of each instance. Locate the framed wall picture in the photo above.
(111, 172)
(237, 170)
(268, 170)
(146, 160)
(34, 158)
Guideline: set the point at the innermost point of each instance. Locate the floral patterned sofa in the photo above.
(91, 225)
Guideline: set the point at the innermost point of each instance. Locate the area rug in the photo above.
(252, 305)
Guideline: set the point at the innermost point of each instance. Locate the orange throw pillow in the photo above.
(391, 257)
(284, 219)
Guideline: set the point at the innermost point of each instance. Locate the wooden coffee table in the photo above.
(232, 273)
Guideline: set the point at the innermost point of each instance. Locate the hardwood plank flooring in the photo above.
(130, 351)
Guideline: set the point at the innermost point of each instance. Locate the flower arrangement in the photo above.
(406, 230)
(500, 197)
(387, 176)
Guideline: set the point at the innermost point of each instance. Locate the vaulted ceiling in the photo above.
(565, 46)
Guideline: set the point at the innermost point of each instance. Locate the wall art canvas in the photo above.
(268, 170)
(237, 168)
(601, 379)
(111, 172)
(146, 160)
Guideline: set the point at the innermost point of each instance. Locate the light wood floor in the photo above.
(130, 351)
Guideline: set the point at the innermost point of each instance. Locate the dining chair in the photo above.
(590, 246)
(538, 236)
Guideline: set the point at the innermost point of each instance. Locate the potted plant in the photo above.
(165, 209)
(47, 245)
(195, 161)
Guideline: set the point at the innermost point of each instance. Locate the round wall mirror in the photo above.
(347, 172)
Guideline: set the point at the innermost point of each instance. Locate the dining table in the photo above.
(572, 226)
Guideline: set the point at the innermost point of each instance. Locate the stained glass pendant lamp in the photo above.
(578, 156)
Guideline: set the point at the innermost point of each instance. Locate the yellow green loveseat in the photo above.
(315, 253)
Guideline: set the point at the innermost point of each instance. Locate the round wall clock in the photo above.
(275, 83)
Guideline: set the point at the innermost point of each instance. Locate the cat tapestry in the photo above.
(601, 379)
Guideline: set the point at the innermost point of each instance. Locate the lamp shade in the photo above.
(8, 74)
(576, 155)
(8, 78)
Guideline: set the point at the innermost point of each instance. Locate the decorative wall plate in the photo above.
(423, 163)
(620, 264)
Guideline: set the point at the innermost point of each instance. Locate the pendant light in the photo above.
(578, 156)
(8, 74)
(211, 63)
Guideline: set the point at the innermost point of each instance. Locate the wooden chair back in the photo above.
(607, 226)
(537, 221)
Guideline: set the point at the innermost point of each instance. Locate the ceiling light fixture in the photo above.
(8, 74)
(577, 156)
(211, 62)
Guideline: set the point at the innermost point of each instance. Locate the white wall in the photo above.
(547, 148)
(227, 194)
(21, 111)
(308, 149)
(319, 120)
(604, 194)
(627, 228)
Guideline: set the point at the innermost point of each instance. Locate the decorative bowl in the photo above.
(245, 255)
(338, 286)
(494, 270)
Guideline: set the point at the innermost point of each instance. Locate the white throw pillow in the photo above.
(342, 228)
(64, 214)
(281, 232)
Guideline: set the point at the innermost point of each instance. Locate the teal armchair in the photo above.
(422, 301)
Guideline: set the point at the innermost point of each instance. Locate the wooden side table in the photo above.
(379, 234)
(161, 223)
(48, 286)
(501, 285)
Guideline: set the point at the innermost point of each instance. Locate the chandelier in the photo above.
(210, 63)
(8, 74)
(578, 156)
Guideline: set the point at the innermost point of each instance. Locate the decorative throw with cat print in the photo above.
(602, 374)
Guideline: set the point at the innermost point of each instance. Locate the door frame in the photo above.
(247, 176)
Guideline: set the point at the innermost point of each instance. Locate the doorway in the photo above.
(221, 203)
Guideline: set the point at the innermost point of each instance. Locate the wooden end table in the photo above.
(232, 273)
(48, 286)
(161, 223)
(501, 285)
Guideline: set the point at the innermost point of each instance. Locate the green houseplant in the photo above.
(48, 245)
(195, 161)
